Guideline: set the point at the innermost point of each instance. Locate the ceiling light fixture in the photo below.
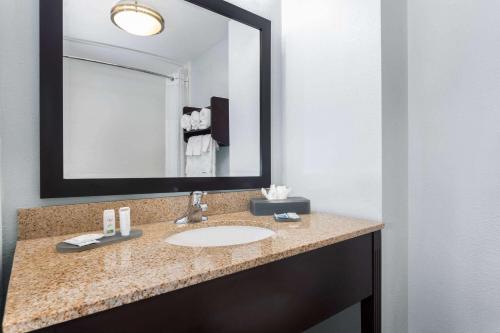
(136, 18)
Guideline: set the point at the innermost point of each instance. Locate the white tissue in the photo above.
(276, 192)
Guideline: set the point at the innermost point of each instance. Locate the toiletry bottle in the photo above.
(109, 222)
(125, 221)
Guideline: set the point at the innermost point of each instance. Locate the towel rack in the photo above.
(219, 128)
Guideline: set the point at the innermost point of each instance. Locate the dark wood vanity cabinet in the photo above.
(288, 295)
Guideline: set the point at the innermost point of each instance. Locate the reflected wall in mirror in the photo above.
(184, 102)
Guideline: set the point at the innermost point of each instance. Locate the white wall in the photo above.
(209, 75)
(332, 105)
(394, 167)
(454, 166)
(244, 100)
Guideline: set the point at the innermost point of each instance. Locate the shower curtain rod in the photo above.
(171, 78)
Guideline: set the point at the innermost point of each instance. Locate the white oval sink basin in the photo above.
(220, 236)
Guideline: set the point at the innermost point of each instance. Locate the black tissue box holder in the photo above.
(262, 206)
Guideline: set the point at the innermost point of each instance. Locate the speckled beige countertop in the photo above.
(47, 287)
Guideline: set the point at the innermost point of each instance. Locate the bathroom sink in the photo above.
(220, 236)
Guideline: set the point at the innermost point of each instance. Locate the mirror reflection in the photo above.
(158, 88)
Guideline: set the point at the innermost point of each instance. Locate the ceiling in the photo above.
(189, 29)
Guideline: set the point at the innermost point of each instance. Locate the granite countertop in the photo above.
(47, 287)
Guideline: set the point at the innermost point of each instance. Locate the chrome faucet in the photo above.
(195, 209)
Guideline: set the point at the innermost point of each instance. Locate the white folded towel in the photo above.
(205, 121)
(206, 141)
(194, 146)
(195, 120)
(203, 165)
(84, 240)
(186, 122)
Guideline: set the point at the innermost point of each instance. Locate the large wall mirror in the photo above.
(152, 96)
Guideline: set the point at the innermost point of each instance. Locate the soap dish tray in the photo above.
(68, 248)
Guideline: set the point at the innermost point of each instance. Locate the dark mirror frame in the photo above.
(52, 182)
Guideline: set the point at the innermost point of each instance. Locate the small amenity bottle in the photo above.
(125, 221)
(109, 227)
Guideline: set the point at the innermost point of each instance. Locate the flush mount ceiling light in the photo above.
(136, 18)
